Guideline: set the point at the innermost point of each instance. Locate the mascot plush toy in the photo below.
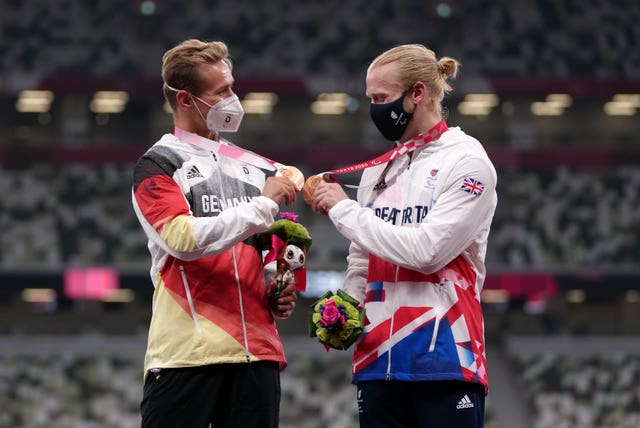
(287, 243)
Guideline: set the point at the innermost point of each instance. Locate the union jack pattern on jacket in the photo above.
(417, 262)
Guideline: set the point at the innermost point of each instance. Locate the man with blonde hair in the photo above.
(418, 235)
(213, 354)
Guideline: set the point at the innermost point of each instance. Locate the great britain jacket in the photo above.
(418, 242)
(200, 211)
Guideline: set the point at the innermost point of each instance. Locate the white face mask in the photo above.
(225, 115)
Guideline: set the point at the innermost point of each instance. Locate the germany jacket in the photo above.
(200, 212)
(416, 260)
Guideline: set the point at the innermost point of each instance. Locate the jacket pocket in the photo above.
(439, 311)
(192, 308)
(436, 326)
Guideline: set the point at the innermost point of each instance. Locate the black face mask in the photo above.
(390, 118)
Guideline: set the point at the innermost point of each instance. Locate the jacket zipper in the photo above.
(238, 284)
(192, 308)
(438, 311)
(388, 376)
(244, 325)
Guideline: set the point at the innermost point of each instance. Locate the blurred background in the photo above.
(551, 88)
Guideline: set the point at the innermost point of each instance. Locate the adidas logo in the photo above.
(381, 185)
(465, 403)
(193, 173)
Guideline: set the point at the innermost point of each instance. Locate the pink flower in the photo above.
(289, 216)
(331, 314)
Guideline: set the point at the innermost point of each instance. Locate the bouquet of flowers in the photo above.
(336, 320)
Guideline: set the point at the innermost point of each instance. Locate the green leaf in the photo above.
(346, 296)
(312, 325)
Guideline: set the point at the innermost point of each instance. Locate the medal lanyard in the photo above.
(226, 148)
(400, 150)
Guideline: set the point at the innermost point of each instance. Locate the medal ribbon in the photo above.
(225, 148)
(400, 150)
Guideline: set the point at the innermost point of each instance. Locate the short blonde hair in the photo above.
(180, 65)
(416, 63)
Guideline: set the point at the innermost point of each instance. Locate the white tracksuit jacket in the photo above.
(417, 262)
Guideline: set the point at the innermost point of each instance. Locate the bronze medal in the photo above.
(293, 174)
(309, 188)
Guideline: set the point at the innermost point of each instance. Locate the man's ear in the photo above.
(418, 92)
(184, 99)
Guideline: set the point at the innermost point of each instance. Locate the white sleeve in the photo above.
(355, 281)
(455, 220)
(188, 238)
(233, 225)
